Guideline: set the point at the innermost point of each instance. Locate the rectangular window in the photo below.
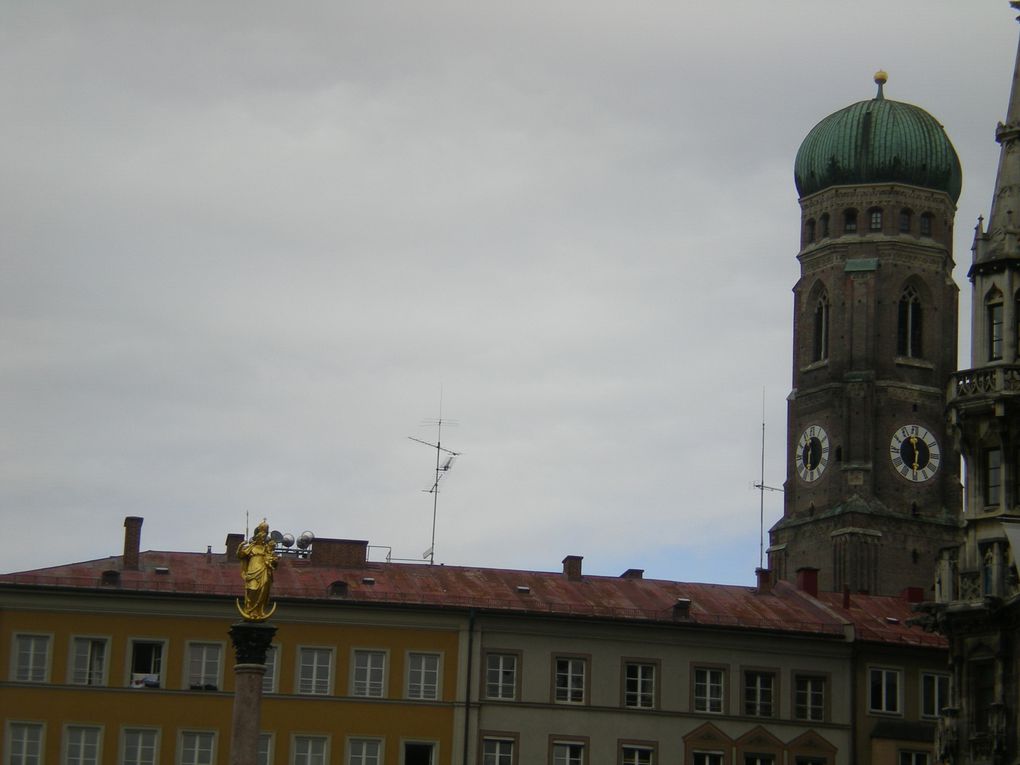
(269, 679)
(369, 673)
(809, 698)
(875, 220)
(568, 753)
(139, 747)
(314, 671)
(759, 693)
(637, 755)
(423, 676)
(204, 666)
(498, 751)
(31, 658)
(885, 691)
(309, 750)
(995, 331)
(81, 745)
(915, 758)
(708, 690)
(926, 224)
(707, 758)
(264, 752)
(993, 476)
(639, 685)
(934, 694)
(569, 681)
(364, 751)
(982, 682)
(146, 663)
(197, 748)
(417, 753)
(759, 759)
(501, 676)
(24, 743)
(88, 661)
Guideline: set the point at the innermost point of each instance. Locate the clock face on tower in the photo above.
(915, 453)
(812, 453)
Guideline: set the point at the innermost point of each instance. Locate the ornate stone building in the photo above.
(977, 597)
(870, 499)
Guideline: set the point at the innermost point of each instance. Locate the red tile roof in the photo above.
(783, 609)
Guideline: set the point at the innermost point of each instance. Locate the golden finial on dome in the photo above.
(881, 78)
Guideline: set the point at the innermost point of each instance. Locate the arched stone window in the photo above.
(908, 325)
(994, 322)
(849, 221)
(820, 347)
(824, 222)
(906, 218)
(875, 219)
(809, 231)
(926, 224)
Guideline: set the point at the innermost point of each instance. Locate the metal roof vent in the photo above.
(523, 589)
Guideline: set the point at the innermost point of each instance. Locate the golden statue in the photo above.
(258, 560)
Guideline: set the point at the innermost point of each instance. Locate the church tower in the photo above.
(870, 495)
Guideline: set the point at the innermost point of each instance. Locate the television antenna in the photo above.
(442, 468)
(762, 488)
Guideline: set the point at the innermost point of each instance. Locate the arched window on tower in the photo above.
(926, 219)
(824, 225)
(875, 219)
(905, 220)
(994, 318)
(908, 325)
(809, 231)
(820, 348)
(849, 221)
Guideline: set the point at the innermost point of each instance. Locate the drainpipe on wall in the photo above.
(467, 684)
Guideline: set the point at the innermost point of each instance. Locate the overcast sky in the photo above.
(247, 248)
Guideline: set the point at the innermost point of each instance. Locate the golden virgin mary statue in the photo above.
(258, 561)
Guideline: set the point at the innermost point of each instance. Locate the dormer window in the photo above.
(850, 222)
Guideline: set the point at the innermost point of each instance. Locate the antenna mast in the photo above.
(761, 487)
(441, 470)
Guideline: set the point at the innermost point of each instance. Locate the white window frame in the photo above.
(885, 674)
(574, 680)
(309, 738)
(271, 679)
(270, 745)
(759, 692)
(315, 685)
(938, 699)
(710, 679)
(200, 737)
(562, 754)
(36, 668)
(138, 729)
(135, 680)
(631, 754)
(503, 750)
(419, 688)
(810, 692)
(205, 647)
(87, 675)
(369, 672)
(913, 757)
(361, 757)
(644, 695)
(708, 757)
(14, 751)
(500, 668)
(80, 759)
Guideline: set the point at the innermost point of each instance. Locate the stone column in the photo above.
(251, 641)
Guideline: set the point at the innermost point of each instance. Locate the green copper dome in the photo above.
(878, 141)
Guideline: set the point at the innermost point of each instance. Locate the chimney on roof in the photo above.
(764, 577)
(572, 566)
(633, 573)
(233, 542)
(347, 553)
(132, 541)
(913, 594)
(807, 580)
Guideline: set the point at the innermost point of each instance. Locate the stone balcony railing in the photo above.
(983, 382)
